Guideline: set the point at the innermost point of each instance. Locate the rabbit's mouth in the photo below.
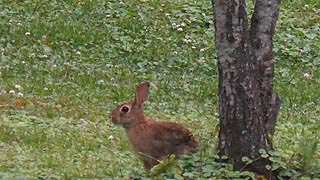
(114, 120)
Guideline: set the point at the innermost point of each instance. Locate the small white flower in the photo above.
(78, 53)
(180, 29)
(27, 33)
(202, 60)
(54, 66)
(193, 47)
(20, 94)
(174, 52)
(3, 92)
(46, 88)
(12, 92)
(167, 14)
(174, 24)
(183, 24)
(19, 24)
(187, 40)
(202, 49)
(23, 62)
(306, 5)
(109, 65)
(101, 81)
(121, 3)
(17, 86)
(110, 138)
(307, 75)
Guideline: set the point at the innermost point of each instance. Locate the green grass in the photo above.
(74, 61)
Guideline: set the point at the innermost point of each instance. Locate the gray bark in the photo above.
(248, 107)
(263, 24)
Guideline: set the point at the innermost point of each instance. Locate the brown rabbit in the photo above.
(152, 140)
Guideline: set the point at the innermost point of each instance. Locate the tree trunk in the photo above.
(248, 107)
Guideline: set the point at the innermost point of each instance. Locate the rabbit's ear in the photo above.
(142, 93)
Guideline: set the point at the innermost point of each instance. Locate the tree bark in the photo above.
(248, 107)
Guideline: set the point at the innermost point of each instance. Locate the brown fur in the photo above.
(152, 140)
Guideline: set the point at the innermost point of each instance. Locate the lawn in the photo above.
(64, 65)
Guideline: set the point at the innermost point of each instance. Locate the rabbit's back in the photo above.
(156, 140)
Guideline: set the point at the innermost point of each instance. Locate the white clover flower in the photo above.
(46, 88)
(187, 40)
(193, 47)
(180, 29)
(17, 86)
(20, 94)
(78, 53)
(183, 24)
(167, 14)
(101, 81)
(27, 33)
(307, 75)
(109, 65)
(202, 49)
(12, 92)
(110, 138)
(174, 24)
(174, 52)
(202, 60)
(3, 92)
(19, 24)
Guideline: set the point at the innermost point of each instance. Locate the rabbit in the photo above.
(152, 140)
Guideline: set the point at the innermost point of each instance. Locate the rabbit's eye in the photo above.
(125, 109)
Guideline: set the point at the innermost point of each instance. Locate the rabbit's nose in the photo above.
(111, 116)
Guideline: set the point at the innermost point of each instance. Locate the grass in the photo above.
(65, 64)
